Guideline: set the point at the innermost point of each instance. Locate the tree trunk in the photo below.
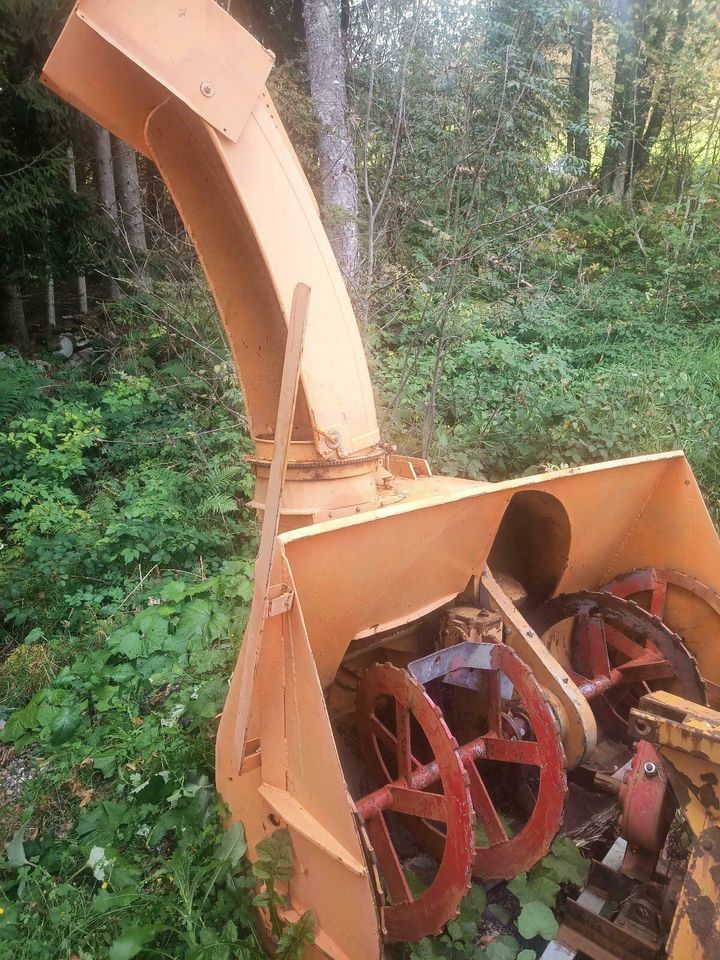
(649, 138)
(650, 32)
(127, 182)
(51, 311)
(612, 169)
(326, 63)
(579, 126)
(14, 315)
(105, 179)
(72, 181)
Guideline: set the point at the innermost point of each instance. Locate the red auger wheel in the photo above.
(397, 723)
(656, 590)
(520, 736)
(408, 747)
(620, 652)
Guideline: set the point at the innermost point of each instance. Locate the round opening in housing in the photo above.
(532, 544)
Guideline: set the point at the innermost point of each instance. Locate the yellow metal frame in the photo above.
(688, 739)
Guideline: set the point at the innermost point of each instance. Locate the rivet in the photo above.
(707, 844)
(207, 89)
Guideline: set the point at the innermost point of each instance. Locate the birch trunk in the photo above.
(51, 311)
(612, 170)
(72, 181)
(105, 179)
(326, 63)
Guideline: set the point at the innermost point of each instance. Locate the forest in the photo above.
(524, 199)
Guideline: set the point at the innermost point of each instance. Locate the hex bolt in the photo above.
(706, 844)
(207, 89)
(650, 769)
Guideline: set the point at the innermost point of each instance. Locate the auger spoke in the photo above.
(388, 861)
(494, 717)
(639, 671)
(616, 695)
(597, 647)
(657, 601)
(618, 641)
(512, 751)
(404, 754)
(484, 807)
(416, 803)
(381, 733)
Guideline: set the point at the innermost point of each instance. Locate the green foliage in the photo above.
(274, 865)
(568, 371)
(136, 596)
(537, 919)
(295, 937)
(58, 231)
(103, 483)
(466, 937)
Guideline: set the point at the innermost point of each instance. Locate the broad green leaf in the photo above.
(233, 845)
(537, 919)
(474, 903)
(423, 950)
(416, 885)
(565, 863)
(527, 955)
(504, 948)
(175, 591)
(210, 698)
(460, 930)
(127, 642)
(65, 726)
(105, 901)
(15, 848)
(295, 937)
(275, 862)
(194, 619)
(133, 939)
(534, 887)
(100, 825)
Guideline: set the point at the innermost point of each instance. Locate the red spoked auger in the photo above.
(437, 790)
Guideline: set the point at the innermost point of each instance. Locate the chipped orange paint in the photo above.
(369, 543)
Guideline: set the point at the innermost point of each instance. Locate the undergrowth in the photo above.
(609, 346)
(124, 580)
(126, 566)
